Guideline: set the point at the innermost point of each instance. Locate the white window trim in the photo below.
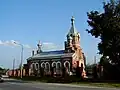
(42, 64)
(36, 65)
(48, 65)
(54, 63)
(58, 63)
(68, 64)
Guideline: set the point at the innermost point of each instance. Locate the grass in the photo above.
(102, 84)
(71, 80)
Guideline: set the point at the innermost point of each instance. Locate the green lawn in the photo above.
(115, 85)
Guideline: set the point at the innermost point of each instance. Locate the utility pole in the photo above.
(13, 66)
(94, 59)
(21, 68)
(21, 72)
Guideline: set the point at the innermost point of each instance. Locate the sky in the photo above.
(28, 21)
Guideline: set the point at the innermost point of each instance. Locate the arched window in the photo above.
(43, 65)
(37, 66)
(77, 63)
(54, 66)
(47, 67)
(32, 66)
(81, 64)
(67, 65)
(58, 65)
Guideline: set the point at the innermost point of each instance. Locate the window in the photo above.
(81, 64)
(47, 67)
(54, 66)
(58, 65)
(33, 66)
(43, 65)
(77, 63)
(67, 65)
(37, 66)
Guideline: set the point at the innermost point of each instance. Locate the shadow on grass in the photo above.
(50, 79)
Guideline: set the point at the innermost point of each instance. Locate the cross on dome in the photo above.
(72, 20)
(39, 46)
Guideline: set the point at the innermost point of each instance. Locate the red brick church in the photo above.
(69, 58)
(53, 62)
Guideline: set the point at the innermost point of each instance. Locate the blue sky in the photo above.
(27, 21)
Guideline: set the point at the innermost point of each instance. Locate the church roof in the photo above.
(50, 55)
(53, 52)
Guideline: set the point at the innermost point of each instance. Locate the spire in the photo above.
(72, 30)
(72, 21)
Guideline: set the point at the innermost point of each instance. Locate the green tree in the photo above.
(106, 27)
(1, 68)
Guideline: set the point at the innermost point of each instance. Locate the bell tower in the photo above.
(73, 38)
(72, 45)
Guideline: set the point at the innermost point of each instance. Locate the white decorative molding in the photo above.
(54, 63)
(58, 63)
(74, 55)
(36, 65)
(68, 64)
(31, 66)
(42, 64)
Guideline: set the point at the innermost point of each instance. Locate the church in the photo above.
(52, 62)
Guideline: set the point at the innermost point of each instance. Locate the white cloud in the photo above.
(12, 43)
(1, 42)
(27, 46)
(48, 43)
(50, 46)
(46, 46)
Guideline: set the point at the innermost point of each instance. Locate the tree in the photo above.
(1, 68)
(106, 27)
(104, 60)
